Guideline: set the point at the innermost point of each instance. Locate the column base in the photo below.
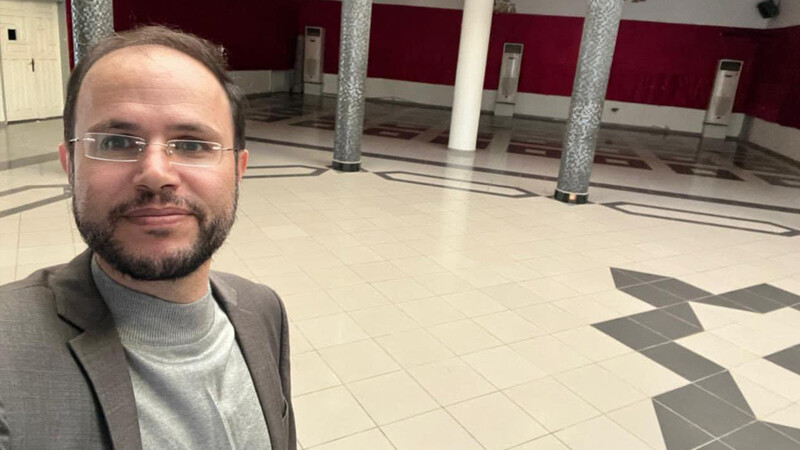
(312, 88)
(346, 166)
(568, 197)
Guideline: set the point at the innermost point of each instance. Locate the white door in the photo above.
(31, 58)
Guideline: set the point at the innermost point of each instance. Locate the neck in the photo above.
(182, 290)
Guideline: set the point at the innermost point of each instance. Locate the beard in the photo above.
(212, 231)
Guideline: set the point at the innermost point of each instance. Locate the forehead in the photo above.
(151, 83)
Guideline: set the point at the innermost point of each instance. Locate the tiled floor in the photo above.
(441, 300)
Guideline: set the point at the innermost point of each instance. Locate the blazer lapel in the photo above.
(255, 343)
(98, 350)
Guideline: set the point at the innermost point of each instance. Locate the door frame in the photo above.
(63, 44)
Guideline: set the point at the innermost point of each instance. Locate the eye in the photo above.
(116, 142)
(193, 146)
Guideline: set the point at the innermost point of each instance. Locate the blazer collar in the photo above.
(98, 349)
(254, 341)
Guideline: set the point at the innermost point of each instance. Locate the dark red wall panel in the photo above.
(775, 94)
(256, 34)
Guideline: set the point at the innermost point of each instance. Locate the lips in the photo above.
(157, 216)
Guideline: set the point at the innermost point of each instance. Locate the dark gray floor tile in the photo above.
(682, 361)
(622, 279)
(797, 307)
(652, 295)
(725, 387)
(684, 311)
(793, 433)
(680, 289)
(665, 324)
(641, 276)
(789, 358)
(716, 445)
(704, 410)
(630, 333)
(678, 433)
(776, 294)
(758, 436)
(750, 299)
(724, 302)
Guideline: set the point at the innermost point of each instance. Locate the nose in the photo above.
(154, 171)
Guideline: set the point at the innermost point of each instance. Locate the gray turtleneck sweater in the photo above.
(192, 387)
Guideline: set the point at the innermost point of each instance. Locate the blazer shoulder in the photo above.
(249, 294)
(28, 294)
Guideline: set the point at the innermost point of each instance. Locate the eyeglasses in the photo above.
(127, 149)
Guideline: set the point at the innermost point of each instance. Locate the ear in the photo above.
(66, 163)
(242, 163)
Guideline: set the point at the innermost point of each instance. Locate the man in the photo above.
(136, 343)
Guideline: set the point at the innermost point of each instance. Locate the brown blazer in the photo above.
(64, 380)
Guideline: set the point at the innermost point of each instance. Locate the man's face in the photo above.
(150, 219)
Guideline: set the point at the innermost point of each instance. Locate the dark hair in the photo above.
(210, 55)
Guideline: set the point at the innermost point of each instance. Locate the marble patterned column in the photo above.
(588, 95)
(91, 21)
(353, 52)
(476, 24)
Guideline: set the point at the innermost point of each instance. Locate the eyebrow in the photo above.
(122, 125)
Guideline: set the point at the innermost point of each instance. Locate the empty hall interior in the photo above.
(450, 292)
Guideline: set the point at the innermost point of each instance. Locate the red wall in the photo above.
(654, 63)
(775, 93)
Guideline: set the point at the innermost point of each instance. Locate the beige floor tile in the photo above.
(621, 302)
(763, 402)
(772, 377)
(415, 347)
(587, 309)
(431, 311)
(481, 276)
(402, 289)
(496, 422)
(395, 250)
(721, 351)
(464, 336)
(45, 255)
(328, 415)
(368, 440)
(503, 367)
(435, 430)
(512, 295)
(377, 271)
(331, 330)
(358, 360)
(299, 343)
(600, 433)
(290, 283)
(592, 343)
(789, 416)
(383, 320)
(551, 404)
(310, 305)
(604, 390)
(310, 373)
(418, 265)
(334, 277)
(442, 283)
(550, 318)
(548, 442)
(550, 354)
(473, 303)
(644, 374)
(451, 381)
(356, 255)
(508, 326)
(360, 296)
(392, 397)
(640, 420)
(549, 288)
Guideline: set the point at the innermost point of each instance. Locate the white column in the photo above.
(476, 23)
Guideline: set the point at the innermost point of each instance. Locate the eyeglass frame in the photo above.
(143, 144)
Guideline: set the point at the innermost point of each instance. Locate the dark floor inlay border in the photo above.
(67, 193)
(712, 401)
(390, 175)
(28, 161)
(511, 173)
(620, 206)
(311, 171)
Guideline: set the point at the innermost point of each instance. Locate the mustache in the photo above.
(151, 198)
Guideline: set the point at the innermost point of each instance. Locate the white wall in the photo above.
(735, 13)
(667, 118)
(784, 140)
(262, 81)
(789, 16)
